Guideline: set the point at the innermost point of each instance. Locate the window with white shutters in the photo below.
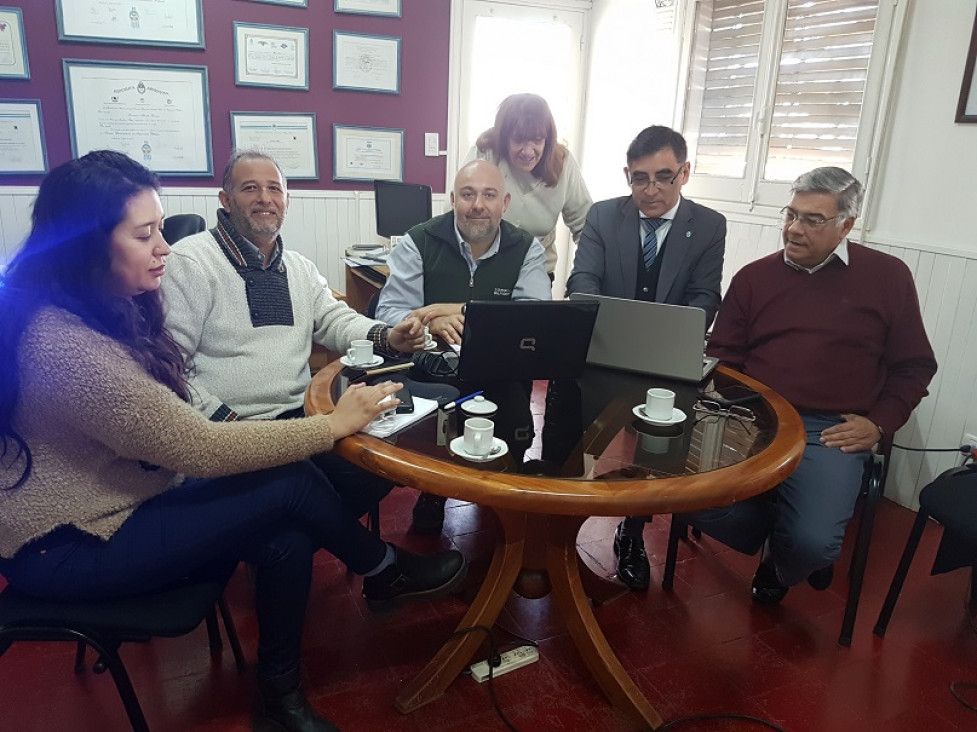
(777, 87)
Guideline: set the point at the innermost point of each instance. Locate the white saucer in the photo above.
(678, 416)
(377, 360)
(431, 346)
(457, 447)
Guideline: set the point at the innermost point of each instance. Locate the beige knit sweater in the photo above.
(95, 421)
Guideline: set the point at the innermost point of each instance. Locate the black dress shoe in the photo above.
(428, 514)
(766, 587)
(632, 561)
(820, 579)
(282, 707)
(414, 577)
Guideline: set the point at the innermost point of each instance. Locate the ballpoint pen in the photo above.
(451, 405)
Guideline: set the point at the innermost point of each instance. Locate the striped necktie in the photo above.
(649, 249)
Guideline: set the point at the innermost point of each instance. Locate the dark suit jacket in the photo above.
(692, 264)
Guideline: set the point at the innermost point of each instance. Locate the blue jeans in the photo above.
(804, 518)
(275, 519)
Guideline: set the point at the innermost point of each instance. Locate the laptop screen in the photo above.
(525, 339)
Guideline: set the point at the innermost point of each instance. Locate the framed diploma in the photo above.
(140, 22)
(271, 55)
(289, 137)
(21, 137)
(296, 3)
(13, 48)
(369, 7)
(157, 114)
(367, 153)
(366, 63)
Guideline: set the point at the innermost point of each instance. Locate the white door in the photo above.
(504, 49)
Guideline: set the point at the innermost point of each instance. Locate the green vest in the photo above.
(446, 274)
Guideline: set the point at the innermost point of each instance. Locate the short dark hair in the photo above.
(227, 179)
(66, 262)
(657, 137)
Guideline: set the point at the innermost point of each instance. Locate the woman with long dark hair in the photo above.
(96, 434)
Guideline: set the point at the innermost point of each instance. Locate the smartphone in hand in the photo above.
(406, 405)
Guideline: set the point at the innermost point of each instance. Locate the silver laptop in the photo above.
(649, 338)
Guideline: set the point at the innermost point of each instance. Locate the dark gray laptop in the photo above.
(649, 338)
(525, 339)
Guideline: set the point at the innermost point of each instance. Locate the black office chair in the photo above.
(873, 486)
(179, 226)
(951, 499)
(106, 624)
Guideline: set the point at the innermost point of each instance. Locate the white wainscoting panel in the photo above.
(321, 224)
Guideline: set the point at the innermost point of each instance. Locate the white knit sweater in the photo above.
(257, 372)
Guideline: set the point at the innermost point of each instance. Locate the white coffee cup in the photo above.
(659, 403)
(478, 436)
(360, 353)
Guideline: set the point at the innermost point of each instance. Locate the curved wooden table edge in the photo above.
(576, 496)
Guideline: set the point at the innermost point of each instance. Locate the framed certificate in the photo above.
(296, 3)
(366, 63)
(367, 153)
(21, 137)
(289, 137)
(369, 7)
(140, 22)
(157, 114)
(271, 55)
(13, 48)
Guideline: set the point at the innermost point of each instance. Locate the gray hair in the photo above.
(838, 181)
(246, 154)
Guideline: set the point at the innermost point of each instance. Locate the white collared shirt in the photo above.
(840, 252)
(662, 230)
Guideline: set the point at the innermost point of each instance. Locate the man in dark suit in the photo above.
(657, 246)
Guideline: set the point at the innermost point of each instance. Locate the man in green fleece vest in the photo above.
(467, 254)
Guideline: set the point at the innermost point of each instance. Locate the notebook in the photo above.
(649, 338)
(525, 339)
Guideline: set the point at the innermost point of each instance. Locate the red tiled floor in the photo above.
(702, 648)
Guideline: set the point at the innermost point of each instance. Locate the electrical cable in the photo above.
(963, 449)
(738, 717)
(494, 660)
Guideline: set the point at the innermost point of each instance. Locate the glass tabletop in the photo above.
(594, 432)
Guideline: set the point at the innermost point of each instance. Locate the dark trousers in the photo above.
(275, 519)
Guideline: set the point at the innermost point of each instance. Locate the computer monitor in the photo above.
(400, 206)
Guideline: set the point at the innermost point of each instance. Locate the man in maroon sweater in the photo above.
(835, 328)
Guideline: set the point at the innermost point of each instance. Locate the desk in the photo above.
(362, 283)
(617, 467)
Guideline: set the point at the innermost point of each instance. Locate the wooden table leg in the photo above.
(562, 565)
(457, 652)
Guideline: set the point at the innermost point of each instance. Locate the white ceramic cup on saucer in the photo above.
(478, 436)
(659, 404)
(360, 353)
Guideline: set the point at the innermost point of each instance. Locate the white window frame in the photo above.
(752, 194)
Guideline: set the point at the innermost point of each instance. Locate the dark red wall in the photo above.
(421, 106)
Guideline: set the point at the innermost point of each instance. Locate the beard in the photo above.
(476, 229)
(251, 226)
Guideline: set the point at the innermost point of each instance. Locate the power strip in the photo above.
(511, 660)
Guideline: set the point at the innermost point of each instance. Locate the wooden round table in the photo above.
(618, 468)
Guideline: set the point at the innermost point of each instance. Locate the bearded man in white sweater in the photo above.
(246, 311)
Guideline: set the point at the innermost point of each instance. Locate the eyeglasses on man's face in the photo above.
(640, 181)
(808, 221)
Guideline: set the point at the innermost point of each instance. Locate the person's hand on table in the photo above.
(855, 434)
(439, 309)
(360, 404)
(408, 335)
